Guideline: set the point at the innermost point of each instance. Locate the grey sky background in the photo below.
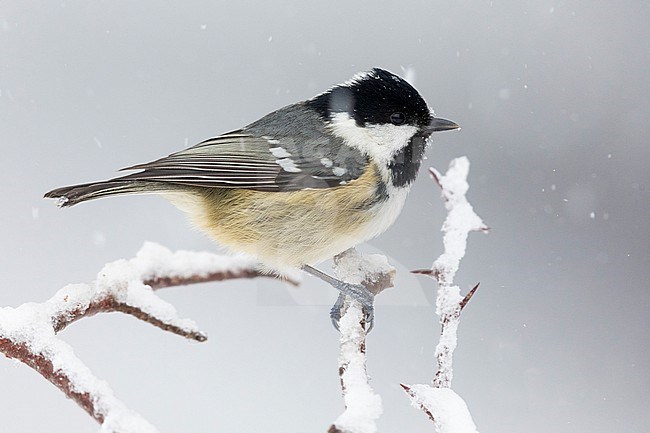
(553, 100)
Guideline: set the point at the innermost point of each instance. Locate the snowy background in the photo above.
(553, 100)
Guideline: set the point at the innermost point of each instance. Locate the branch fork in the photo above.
(28, 332)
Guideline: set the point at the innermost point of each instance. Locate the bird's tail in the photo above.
(71, 195)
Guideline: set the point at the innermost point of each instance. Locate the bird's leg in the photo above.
(356, 291)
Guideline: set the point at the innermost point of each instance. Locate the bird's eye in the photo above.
(397, 118)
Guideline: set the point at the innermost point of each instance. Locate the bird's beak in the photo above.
(437, 124)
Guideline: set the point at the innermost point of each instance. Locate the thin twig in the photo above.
(435, 175)
(413, 395)
(160, 282)
(468, 296)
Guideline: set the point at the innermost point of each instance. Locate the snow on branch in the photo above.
(362, 406)
(28, 332)
(451, 413)
(439, 402)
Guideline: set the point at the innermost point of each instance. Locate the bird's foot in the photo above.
(367, 306)
(358, 292)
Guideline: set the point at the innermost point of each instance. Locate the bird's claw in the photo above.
(335, 315)
(360, 294)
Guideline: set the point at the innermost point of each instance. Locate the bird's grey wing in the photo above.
(263, 158)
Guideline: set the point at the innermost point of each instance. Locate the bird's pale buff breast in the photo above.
(289, 229)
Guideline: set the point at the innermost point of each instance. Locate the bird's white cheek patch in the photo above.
(380, 142)
(393, 138)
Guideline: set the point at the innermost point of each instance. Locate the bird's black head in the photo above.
(384, 117)
(375, 97)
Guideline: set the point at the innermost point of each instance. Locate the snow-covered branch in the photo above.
(461, 220)
(440, 403)
(28, 332)
(362, 405)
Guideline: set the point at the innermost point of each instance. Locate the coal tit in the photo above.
(301, 184)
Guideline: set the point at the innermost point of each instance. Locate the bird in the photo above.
(301, 184)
